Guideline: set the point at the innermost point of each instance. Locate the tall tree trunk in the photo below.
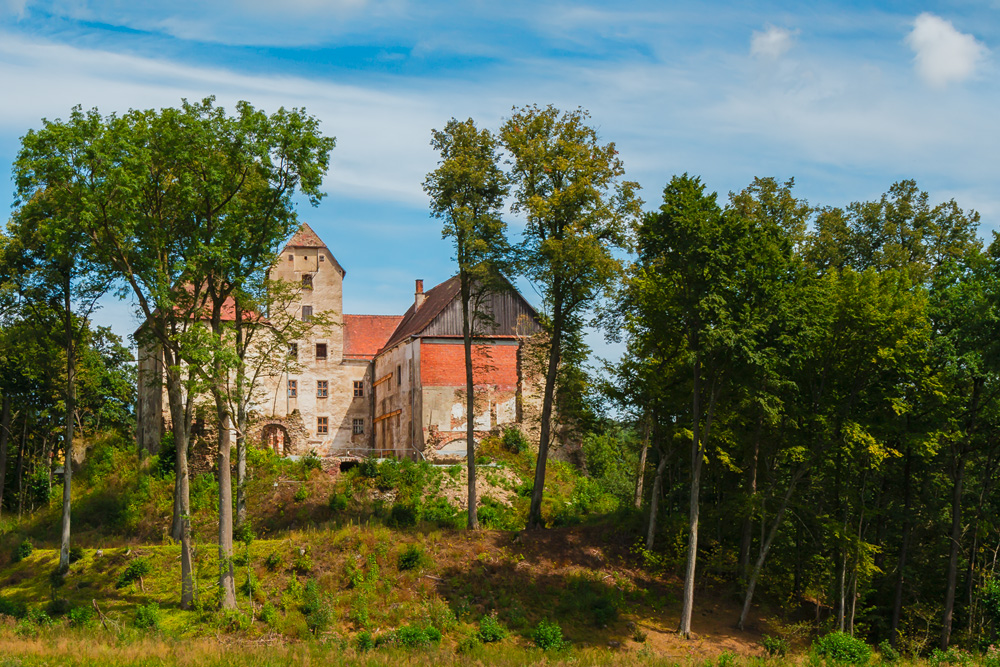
(535, 512)
(641, 472)
(241, 464)
(765, 547)
(227, 584)
(20, 466)
(470, 403)
(747, 534)
(897, 598)
(180, 416)
(696, 459)
(654, 500)
(954, 547)
(4, 439)
(70, 424)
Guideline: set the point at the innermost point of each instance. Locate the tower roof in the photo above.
(307, 238)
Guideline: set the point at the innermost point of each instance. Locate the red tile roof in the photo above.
(305, 238)
(435, 300)
(364, 335)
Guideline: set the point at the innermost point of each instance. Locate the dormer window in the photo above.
(307, 281)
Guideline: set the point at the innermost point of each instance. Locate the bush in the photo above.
(439, 511)
(491, 630)
(839, 647)
(81, 617)
(776, 647)
(273, 562)
(163, 464)
(147, 616)
(269, 614)
(58, 607)
(513, 440)
(22, 551)
(364, 641)
(303, 563)
(136, 569)
(888, 654)
(12, 608)
(75, 554)
(338, 502)
(315, 609)
(301, 493)
(548, 635)
(495, 515)
(403, 515)
(411, 558)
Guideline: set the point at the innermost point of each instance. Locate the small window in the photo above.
(321, 350)
(307, 281)
(358, 426)
(293, 351)
(293, 388)
(322, 258)
(322, 388)
(359, 388)
(399, 376)
(291, 258)
(322, 425)
(307, 313)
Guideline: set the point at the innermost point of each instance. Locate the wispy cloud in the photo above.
(943, 55)
(772, 43)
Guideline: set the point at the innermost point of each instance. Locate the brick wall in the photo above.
(443, 365)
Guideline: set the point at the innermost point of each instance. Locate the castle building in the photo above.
(378, 385)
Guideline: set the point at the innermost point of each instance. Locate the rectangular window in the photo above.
(291, 258)
(322, 388)
(358, 426)
(293, 388)
(359, 388)
(399, 376)
(322, 258)
(293, 351)
(321, 350)
(307, 281)
(322, 425)
(307, 313)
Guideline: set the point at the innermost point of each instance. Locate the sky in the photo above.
(844, 97)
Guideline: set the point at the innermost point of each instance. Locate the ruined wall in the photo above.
(392, 422)
(150, 398)
(443, 389)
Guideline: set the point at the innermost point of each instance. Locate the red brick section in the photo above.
(364, 335)
(443, 365)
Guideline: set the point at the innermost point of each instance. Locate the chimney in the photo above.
(419, 297)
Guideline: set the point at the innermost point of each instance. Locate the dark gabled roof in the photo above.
(364, 335)
(430, 318)
(415, 321)
(307, 238)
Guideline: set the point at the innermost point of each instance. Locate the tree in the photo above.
(577, 208)
(467, 191)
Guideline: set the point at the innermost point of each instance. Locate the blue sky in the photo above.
(845, 97)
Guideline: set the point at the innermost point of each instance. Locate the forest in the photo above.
(805, 418)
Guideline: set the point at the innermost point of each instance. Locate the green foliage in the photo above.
(338, 502)
(81, 617)
(303, 562)
(75, 554)
(411, 558)
(775, 647)
(12, 608)
(148, 616)
(315, 608)
(989, 595)
(269, 615)
(887, 653)
(547, 635)
(410, 636)
(442, 513)
(514, 440)
(22, 550)
(953, 655)
(58, 607)
(301, 493)
(496, 515)
(842, 648)
(166, 459)
(273, 562)
(140, 567)
(364, 642)
(491, 630)
(403, 515)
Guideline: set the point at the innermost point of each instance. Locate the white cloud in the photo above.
(772, 43)
(943, 54)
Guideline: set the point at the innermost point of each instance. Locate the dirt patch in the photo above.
(497, 483)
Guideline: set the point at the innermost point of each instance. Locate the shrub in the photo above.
(950, 656)
(548, 635)
(839, 647)
(338, 502)
(273, 562)
(468, 644)
(368, 469)
(75, 554)
(498, 516)
(303, 563)
(136, 569)
(411, 558)
(513, 440)
(81, 617)
(888, 654)
(403, 515)
(301, 493)
(12, 608)
(776, 647)
(22, 551)
(269, 614)
(364, 641)
(491, 630)
(147, 616)
(58, 607)
(164, 462)
(440, 512)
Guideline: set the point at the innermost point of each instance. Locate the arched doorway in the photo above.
(275, 437)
